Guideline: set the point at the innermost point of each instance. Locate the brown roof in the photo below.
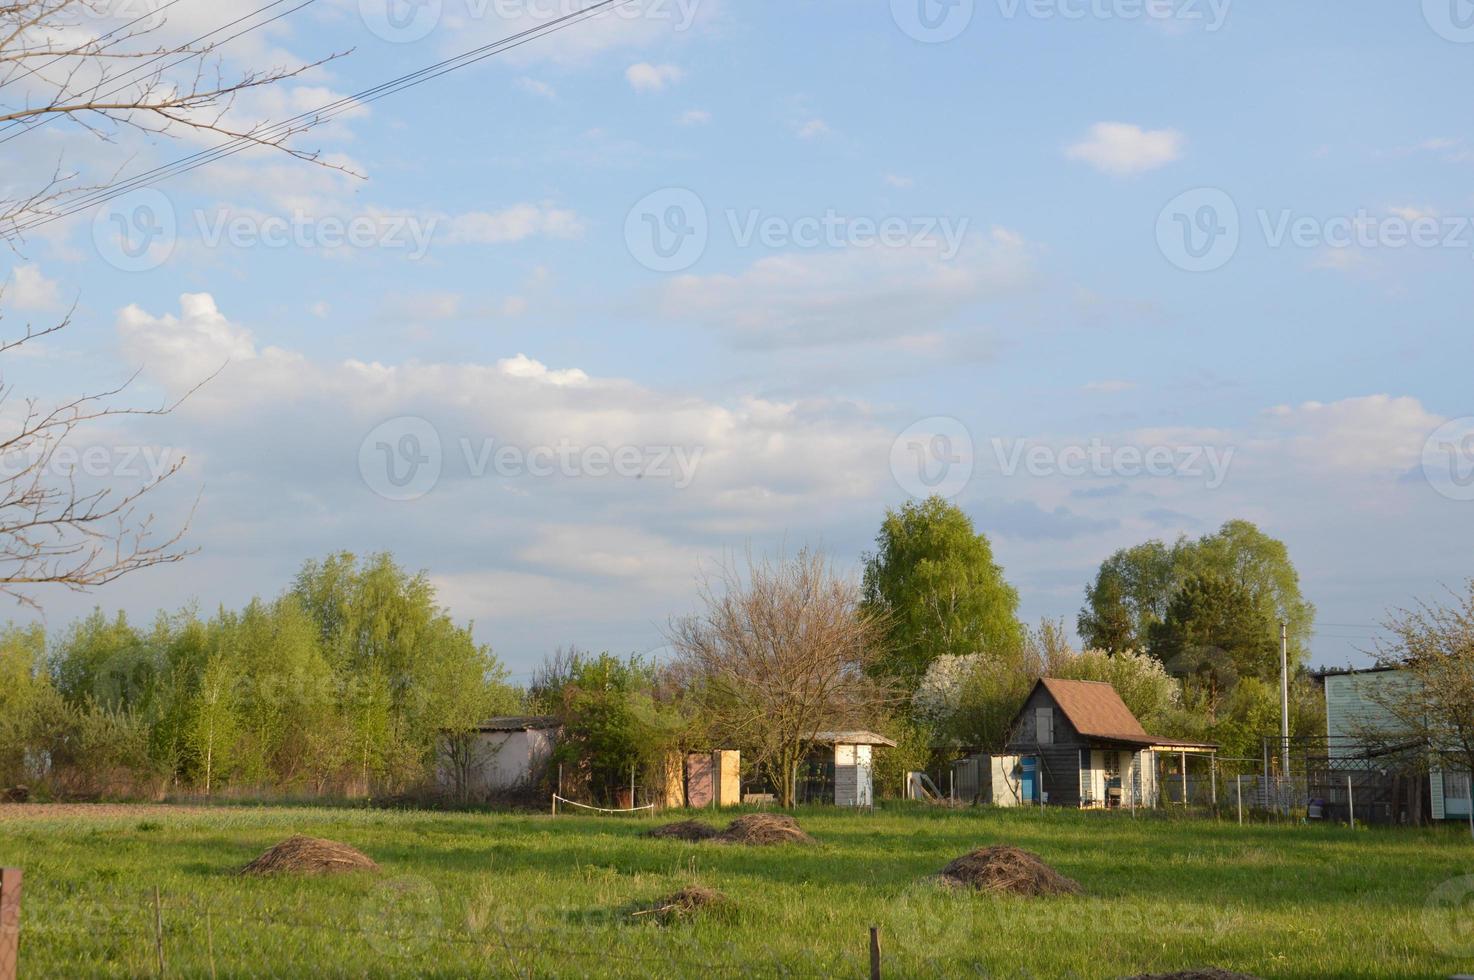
(1094, 709)
(1097, 711)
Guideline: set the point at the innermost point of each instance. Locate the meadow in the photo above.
(474, 894)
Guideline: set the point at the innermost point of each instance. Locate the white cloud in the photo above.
(645, 77)
(1122, 149)
(899, 182)
(534, 87)
(694, 117)
(1110, 387)
(512, 224)
(1371, 434)
(815, 298)
(813, 129)
(27, 290)
(1409, 213)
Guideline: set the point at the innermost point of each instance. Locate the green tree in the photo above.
(32, 712)
(1133, 588)
(1213, 635)
(612, 723)
(407, 670)
(1129, 596)
(934, 584)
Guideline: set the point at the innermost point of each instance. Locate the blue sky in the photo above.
(1031, 301)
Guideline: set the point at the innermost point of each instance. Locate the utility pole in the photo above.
(1284, 700)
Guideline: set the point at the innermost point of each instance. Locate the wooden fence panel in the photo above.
(9, 922)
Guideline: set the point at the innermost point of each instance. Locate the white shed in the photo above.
(500, 755)
(853, 765)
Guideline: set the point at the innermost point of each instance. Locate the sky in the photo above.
(571, 326)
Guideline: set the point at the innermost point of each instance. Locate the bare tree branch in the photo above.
(105, 86)
(781, 654)
(55, 532)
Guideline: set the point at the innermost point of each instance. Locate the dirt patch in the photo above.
(1009, 871)
(52, 811)
(689, 901)
(1210, 973)
(692, 830)
(309, 856)
(762, 829)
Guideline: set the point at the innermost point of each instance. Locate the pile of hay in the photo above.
(1210, 973)
(309, 856)
(1008, 870)
(762, 829)
(692, 830)
(686, 902)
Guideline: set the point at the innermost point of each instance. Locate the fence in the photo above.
(10, 880)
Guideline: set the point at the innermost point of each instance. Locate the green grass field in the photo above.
(522, 895)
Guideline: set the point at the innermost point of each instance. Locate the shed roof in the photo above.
(520, 723)
(852, 738)
(1096, 710)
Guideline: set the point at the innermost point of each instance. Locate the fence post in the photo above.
(159, 929)
(875, 953)
(1350, 802)
(1238, 783)
(9, 922)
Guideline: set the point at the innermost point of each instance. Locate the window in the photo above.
(1456, 786)
(1044, 726)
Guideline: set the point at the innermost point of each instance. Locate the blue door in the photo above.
(1028, 787)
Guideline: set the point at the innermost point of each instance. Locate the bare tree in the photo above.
(781, 654)
(52, 66)
(1432, 708)
(53, 531)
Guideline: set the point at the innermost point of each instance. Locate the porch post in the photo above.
(1213, 769)
(1183, 754)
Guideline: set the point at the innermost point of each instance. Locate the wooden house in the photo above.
(1075, 743)
(1356, 706)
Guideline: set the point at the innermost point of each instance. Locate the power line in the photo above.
(104, 37)
(174, 64)
(324, 113)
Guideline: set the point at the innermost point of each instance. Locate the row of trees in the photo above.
(1188, 632)
(340, 685)
(347, 681)
(930, 650)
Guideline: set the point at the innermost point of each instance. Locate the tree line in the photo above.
(352, 679)
(339, 686)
